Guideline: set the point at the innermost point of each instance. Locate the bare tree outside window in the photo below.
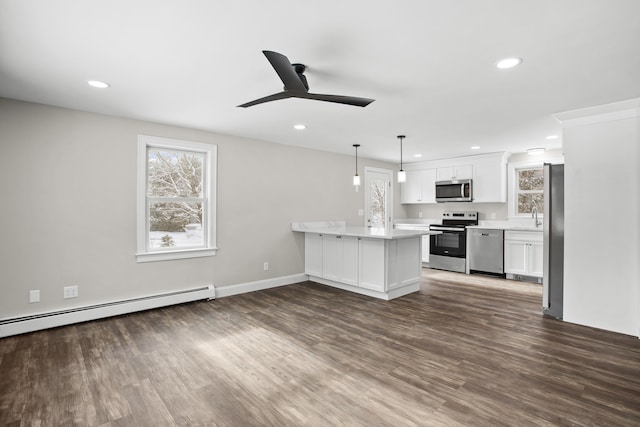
(378, 197)
(530, 190)
(175, 198)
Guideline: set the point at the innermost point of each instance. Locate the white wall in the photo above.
(601, 280)
(68, 186)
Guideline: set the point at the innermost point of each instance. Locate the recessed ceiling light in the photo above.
(299, 127)
(417, 156)
(475, 147)
(99, 84)
(509, 63)
(535, 151)
(552, 137)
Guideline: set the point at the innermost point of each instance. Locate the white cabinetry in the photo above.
(346, 259)
(420, 186)
(386, 265)
(372, 254)
(313, 254)
(523, 253)
(454, 172)
(331, 257)
(490, 179)
(382, 268)
(488, 171)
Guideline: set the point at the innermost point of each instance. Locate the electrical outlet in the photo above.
(266, 266)
(34, 296)
(70, 291)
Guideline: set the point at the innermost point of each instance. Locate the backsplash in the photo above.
(486, 211)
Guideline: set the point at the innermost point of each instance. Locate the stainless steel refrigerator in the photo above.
(553, 231)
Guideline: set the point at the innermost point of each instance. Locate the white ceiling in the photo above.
(429, 64)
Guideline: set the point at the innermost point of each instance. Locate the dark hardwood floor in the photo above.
(465, 350)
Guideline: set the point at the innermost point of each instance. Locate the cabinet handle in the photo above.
(338, 237)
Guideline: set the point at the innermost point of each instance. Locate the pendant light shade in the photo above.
(356, 177)
(402, 175)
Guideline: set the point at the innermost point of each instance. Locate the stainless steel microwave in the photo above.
(459, 190)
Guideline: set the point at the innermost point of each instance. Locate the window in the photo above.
(176, 199)
(529, 190)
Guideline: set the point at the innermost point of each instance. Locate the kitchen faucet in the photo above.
(534, 215)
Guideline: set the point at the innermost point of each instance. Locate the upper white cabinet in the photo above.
(454, 172)
(490, 179)
(488, 171)
(420, 186)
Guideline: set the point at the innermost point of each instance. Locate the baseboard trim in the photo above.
(243, 288)
(36, 322)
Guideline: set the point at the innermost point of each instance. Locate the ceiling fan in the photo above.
(296, 86)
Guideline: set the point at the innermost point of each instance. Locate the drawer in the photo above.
(529, 236)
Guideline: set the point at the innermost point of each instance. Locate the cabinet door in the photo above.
(536, 257)
(412, 188)
(330, 257)
(489, 182)
(429, 186)
(313, 254)
(348, 260)
(515, 257)
(455, 172)
(371, 272)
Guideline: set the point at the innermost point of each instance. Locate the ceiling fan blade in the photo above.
(285, 71)
(274, 97)
(340, 99)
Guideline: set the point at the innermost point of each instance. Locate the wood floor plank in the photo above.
(465, 350)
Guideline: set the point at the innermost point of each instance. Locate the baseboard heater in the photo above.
(36, 322)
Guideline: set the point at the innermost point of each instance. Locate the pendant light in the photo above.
(356, 177)
(402, 175)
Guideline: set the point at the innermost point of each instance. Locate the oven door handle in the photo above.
(460, 230)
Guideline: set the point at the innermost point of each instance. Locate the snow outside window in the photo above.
(176, 199)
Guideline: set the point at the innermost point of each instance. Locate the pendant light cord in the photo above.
(401, 137)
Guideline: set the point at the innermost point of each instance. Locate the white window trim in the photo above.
(512, 175)
(209, 190)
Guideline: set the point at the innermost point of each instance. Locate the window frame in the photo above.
(512, 199)
(145, 254)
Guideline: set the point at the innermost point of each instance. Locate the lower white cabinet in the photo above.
(313, 254)
(340, 258)
(523, 253)
(383, 268)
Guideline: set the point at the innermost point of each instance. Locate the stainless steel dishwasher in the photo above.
(486, 250)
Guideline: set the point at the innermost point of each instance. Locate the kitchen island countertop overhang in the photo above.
(339, 228)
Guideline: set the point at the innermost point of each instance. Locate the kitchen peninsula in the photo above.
(377, 262)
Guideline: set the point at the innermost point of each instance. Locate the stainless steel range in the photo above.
(448, 251)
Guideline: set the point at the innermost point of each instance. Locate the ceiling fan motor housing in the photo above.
(299, 69)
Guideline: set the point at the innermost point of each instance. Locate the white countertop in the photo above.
(507, 228)
(339, 228)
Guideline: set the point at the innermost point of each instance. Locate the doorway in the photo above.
(378, 198)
